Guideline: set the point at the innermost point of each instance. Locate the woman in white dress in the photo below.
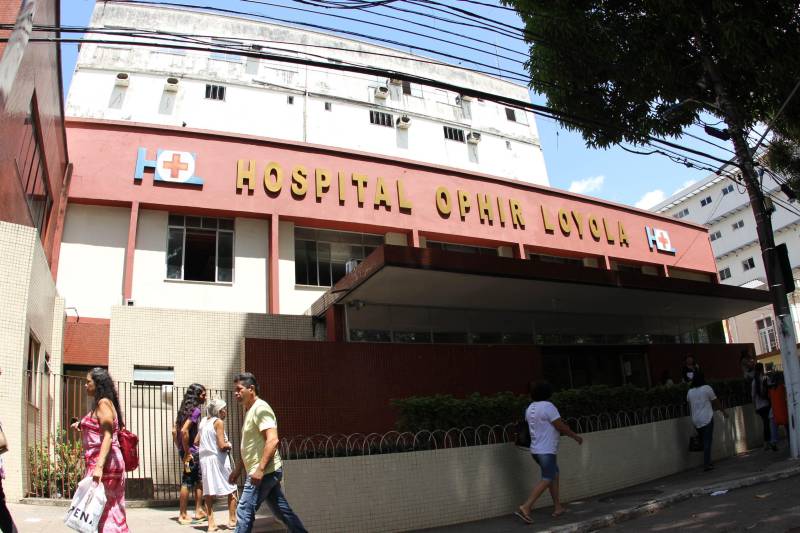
(215, 462)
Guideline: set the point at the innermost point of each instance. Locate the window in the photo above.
(748, 264)
(252, 63)
(215, 92)
(716, 235)
(200, 248)
(727, 189)
(461, 248)
(153, 375)
(380, 118)
(725, 273)
(328, 106)
(705, 201)
(555, 259)
(454, 134)
(222, 56)
(32, 173)
(321, 257)
(738, 224)
(511, 114)
(290, 100)
(766, 334)
(406, 87)
(33, 372)
(682, 213)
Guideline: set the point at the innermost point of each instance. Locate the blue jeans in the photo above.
(547, 462)
(707, 434)
(270, 490)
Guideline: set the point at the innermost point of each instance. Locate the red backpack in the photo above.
(129, 444)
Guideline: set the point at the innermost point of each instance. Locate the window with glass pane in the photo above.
(321, 256)
(200, 249)
(32, 173)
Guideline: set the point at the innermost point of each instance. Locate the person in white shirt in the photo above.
(546, 428)
(703, 402)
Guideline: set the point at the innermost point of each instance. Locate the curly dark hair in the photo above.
(191, 399)
(104, 388)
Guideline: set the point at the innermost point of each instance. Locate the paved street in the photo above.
(768, 508)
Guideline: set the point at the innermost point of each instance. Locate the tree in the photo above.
(629, 70)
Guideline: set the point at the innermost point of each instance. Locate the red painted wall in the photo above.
(718, 361)
(39, 73)
(333, 387)
(86, 341)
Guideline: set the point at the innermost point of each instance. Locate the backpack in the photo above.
(129, 444)
(523, 437)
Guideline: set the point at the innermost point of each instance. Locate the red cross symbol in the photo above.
(175, 166)
(662, 240)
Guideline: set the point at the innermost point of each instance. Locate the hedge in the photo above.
(443, 411)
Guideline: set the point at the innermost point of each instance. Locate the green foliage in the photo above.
(620, 65)
(55, 467)
(445, 412)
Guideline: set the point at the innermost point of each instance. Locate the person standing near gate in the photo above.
(186, 425)
(216, 463)
(260, 460)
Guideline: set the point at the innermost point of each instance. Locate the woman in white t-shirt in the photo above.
(546, 428)
(703, 403)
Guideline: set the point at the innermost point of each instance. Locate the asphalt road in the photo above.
(769, 508)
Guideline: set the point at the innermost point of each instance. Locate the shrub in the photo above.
(55, 467)
(443, 411)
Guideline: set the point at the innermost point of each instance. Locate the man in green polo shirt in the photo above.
(261, 460)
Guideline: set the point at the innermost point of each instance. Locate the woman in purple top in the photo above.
(186, 422)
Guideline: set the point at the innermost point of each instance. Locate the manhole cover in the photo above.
(630, 494)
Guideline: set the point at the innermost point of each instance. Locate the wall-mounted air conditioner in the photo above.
(122, 79)
(382, 92)
(404, 122)
(171, 85)
(473, 137)
(467, 98)
(395, 81)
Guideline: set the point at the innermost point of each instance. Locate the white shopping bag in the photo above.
(86, 507)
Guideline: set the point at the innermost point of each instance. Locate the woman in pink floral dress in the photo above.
(101, 448)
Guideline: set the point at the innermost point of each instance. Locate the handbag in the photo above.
(695, 443)
(523, 436)
(86, 507)
(3, 441)
(129, 445)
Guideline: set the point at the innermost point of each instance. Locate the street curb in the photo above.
(668, 500)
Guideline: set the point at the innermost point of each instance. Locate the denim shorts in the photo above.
(193, 476)
(547, 462)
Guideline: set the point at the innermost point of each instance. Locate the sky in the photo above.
(612, 174)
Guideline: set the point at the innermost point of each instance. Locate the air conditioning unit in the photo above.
(467, 98)
(351, 265)
(129, 302)
(122, 80)
(404, 122)
(171, 85)
(395, 81)
(382, 92)
(473, 137)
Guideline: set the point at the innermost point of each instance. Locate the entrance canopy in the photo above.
(558, 297)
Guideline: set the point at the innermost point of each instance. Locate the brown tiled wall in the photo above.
(332, 387)
(86, 341)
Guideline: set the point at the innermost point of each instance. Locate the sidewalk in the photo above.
(751, 468)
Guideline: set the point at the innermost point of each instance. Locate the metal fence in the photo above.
(55, 455)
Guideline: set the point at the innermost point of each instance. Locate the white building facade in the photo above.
(724, 207)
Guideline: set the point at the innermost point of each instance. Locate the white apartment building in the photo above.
(263, 98)
(723, 206)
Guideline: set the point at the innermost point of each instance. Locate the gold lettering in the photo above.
(594, 228)
(463, 204)
(342, 179)
(443, 203)
(360, 181)
(485, 208)
(501, 214)
(609, 238)
(402, 201)
(245, 176)
(299, 181)
(273, 187)
(578, 223)
(623, 237)
(516, 214)
(322, 181)
(563, 221)
(380, 194)
(548, 226)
